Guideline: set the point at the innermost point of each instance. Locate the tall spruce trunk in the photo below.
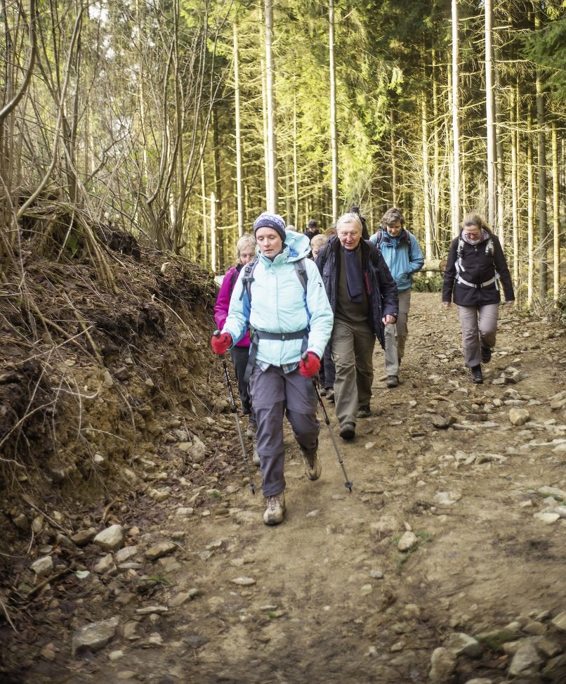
(455, 176)
(270, 102)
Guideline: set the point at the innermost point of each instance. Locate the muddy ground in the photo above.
(441, 535)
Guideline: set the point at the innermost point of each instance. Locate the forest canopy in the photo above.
(180, 120)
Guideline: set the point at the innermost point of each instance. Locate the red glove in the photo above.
(221, 343)
(309, 365)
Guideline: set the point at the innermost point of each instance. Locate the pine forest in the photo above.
(180, 120)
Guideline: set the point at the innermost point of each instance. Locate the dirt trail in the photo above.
(328, 595)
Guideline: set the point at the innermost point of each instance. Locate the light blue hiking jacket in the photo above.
(402, 254)
(280, 304)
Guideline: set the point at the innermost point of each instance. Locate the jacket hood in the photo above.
(297, 246)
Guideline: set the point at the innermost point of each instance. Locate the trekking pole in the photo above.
(234, 410)
(348, 483)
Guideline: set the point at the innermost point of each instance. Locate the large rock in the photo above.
(526, 660)
(442, 666)
(42, 566)
(407, 541)
(197, 450)
(462, 644)
(111, 538)
(94, 636)
(560, 621)
(518, 416)
(161, 549)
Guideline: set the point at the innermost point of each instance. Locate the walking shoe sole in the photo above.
(348, 432)
(311, 472)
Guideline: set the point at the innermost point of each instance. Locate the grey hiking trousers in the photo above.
(275, 394)
(396, 335)
(479, 328)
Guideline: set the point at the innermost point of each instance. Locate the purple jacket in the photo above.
(223, 302)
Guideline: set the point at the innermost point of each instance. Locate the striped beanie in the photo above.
(268, 220)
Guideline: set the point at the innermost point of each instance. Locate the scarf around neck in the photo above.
(354, 278)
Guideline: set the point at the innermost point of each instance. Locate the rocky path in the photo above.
(444, 564)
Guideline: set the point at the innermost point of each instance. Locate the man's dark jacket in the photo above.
(380, 287)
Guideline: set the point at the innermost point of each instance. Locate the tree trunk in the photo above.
(333, 137)
(213, 232)
(515, 180)
(238, 133)
(270, 100)
(455, 176)
(530, 214)
(204, 243)
(555, 215)
(426, 179)
(436, 152)
(541, 204)
(393, 159)
(295, 166)
(489, 115)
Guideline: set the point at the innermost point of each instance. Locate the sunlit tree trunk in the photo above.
(213, 232)
(530, 215)
(555, 215)
(515, 180)
(489, 115)
(436, 151)
(238, 133)
(204, 212)
(541, 200)
(333, 138)
(500, 194)
(426, 179)
(270, 101)
(393, 158)
(265, 133)
(217, 183)
(142, 99)
(455, 177)
(295, 166)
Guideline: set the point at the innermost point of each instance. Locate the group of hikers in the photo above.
(302, 305)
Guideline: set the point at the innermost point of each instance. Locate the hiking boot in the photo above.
(322, 391)
(313, 466)
(348, 431)
(364, 411)
(275, 511)
(256, 458)
(485, 354)
(392, 381)
(251, 430)
(330, 394)
(477, 376)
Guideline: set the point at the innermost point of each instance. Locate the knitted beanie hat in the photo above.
(268, 220)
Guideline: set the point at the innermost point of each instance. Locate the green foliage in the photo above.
(427, 283)
(547, 49)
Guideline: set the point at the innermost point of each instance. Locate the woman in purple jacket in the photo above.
(245, 248)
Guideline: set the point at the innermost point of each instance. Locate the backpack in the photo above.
(247, 280)
(379, 240)
(248, 277)
(489, 249)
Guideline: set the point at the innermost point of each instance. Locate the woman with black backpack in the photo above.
(475, 271)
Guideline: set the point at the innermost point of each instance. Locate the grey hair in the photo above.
(350, 217)
(246, 240)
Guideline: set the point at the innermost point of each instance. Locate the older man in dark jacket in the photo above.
(363, 296)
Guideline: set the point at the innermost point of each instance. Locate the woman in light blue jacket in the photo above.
(280, 296)
(404, 257)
